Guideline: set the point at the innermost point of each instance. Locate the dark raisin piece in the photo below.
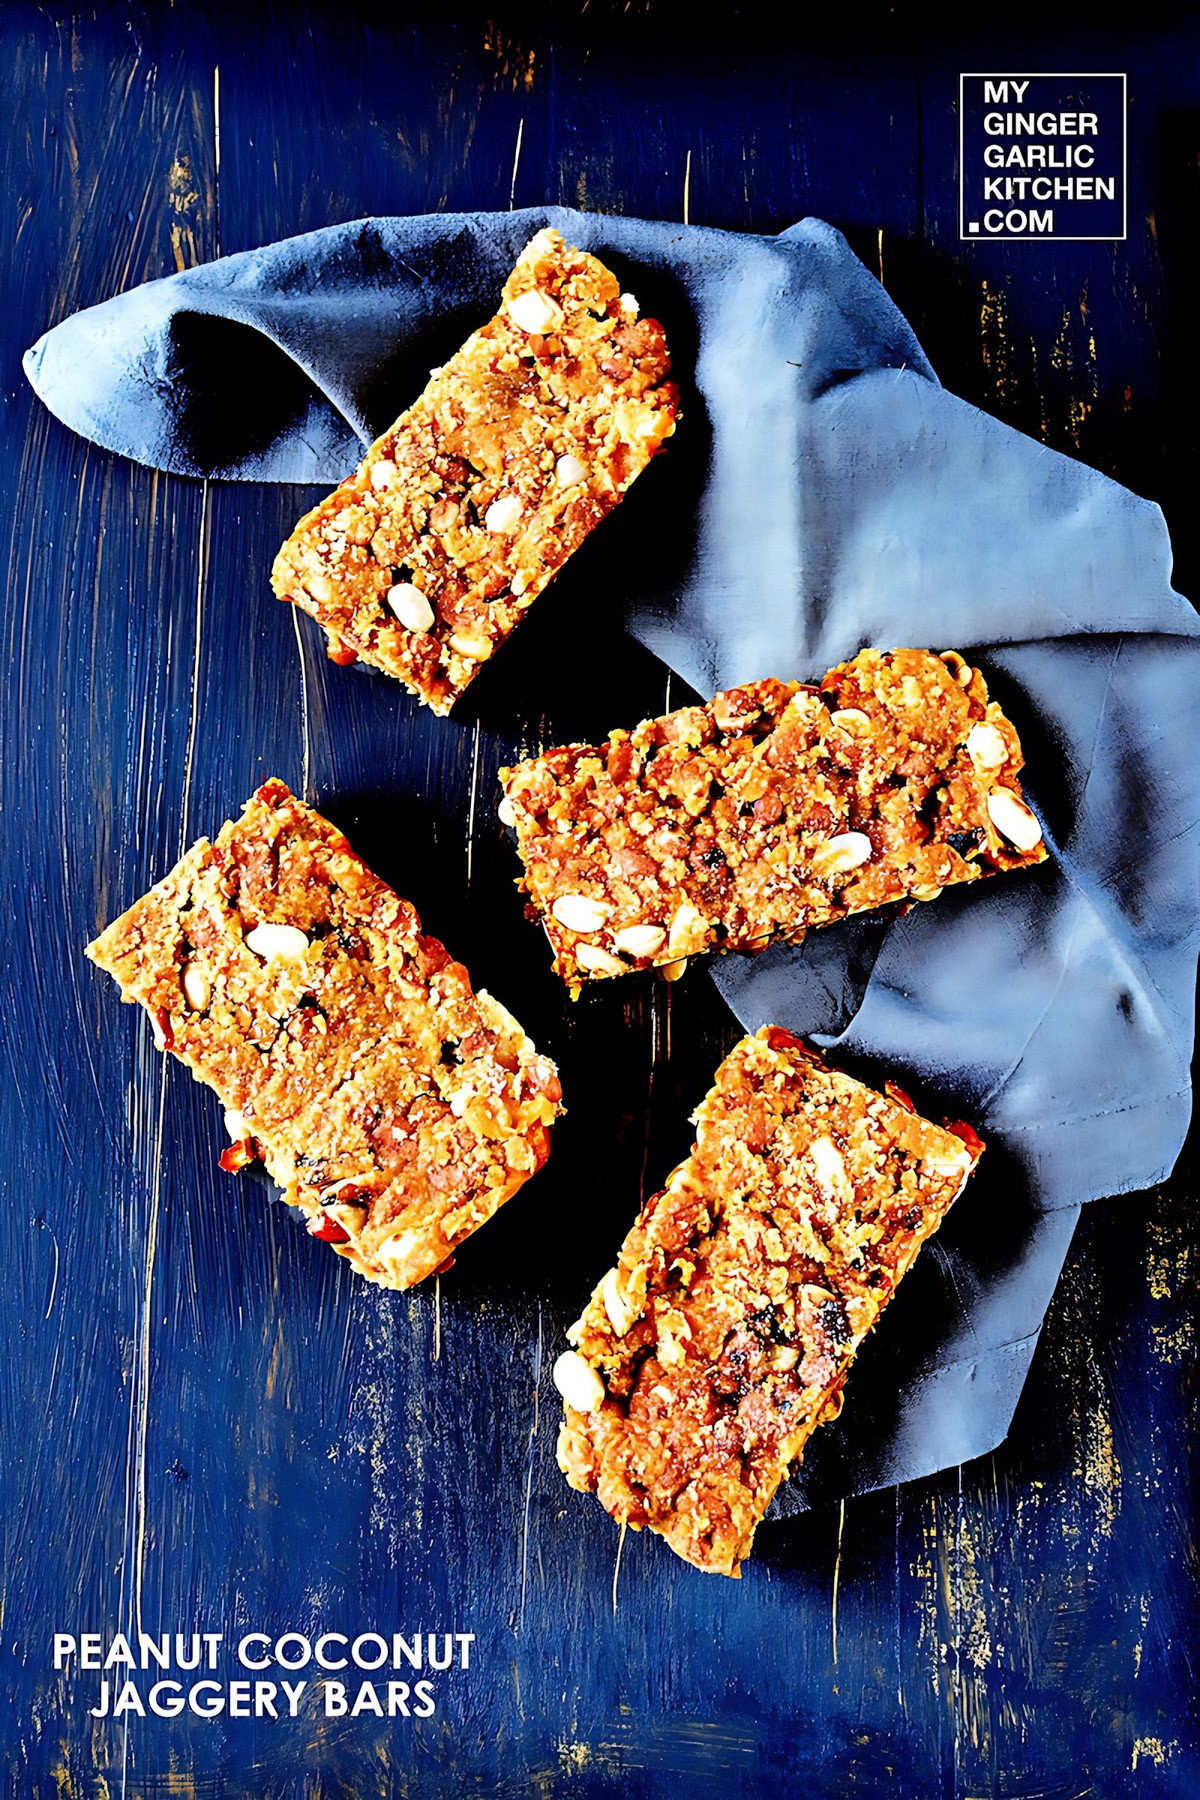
(928, 810)
(835, 1323)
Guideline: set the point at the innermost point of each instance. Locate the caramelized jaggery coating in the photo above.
(423, 561)
(776, 807)
(394, 1106)
(723, 1336)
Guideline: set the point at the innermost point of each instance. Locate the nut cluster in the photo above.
(777, 807)
(425, 559)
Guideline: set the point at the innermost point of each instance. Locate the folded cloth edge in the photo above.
(49, 366)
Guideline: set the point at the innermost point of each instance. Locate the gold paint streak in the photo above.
(973, 1634)
(273, 1365)
(1153, 1750)
(1158, 1276)
(61, 1775)
(923, 1569)
(1062, 358)
(1168, 1266)
(1173, 1344)
(513, 62)
(183, 198)
(995, 346)
(1101, 1470)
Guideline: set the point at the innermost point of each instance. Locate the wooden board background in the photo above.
(210, 1424)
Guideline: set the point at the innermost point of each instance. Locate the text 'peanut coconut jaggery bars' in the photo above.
(394, 1106)
(423, 561)
(776, 807)
(722, 1338)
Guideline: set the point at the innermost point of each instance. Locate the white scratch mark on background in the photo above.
(54, 1281)
(533, 1431)
(471, 802)
(305, 766)
(194, 713)
(512, 191)
(65, 784)
(687, 188)
(617, 1564)
(140, 1398)
(144, 1348)
(217, 157)
(837, 1565)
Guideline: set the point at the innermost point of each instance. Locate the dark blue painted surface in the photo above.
(209, 1426)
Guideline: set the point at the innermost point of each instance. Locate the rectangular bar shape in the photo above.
(722, 1338)
(394, 1106)
(423, 561)
(776, 807)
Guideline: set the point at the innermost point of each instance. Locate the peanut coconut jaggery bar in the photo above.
(722, 1338)
(775, 807)
(394, 1106)
(423, 561)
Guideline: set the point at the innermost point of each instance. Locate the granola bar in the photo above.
(423, 561)
(723, 1336)
(775, 807)
(393, 1105)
